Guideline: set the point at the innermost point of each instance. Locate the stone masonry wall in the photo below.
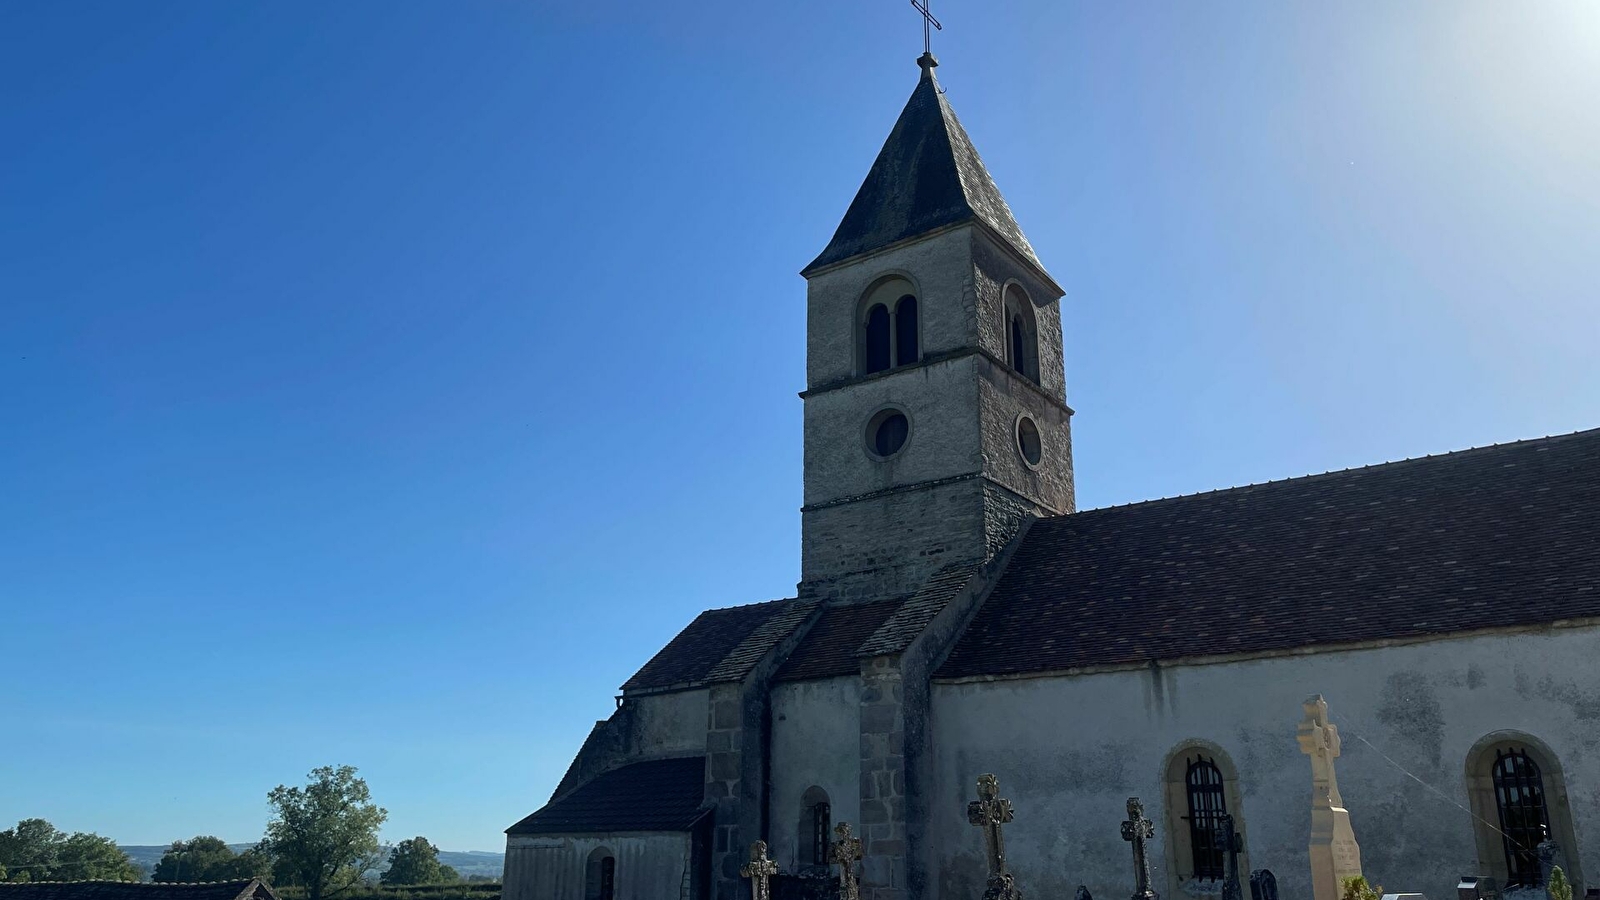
(724, 776)
(888, 545)
(883, 780)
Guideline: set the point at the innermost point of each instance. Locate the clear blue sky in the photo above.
(383, 382)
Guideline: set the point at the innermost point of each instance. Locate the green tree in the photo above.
(208, 858)
(416, 861)
(90, 857)
(30, 850)
(35, 850)
(324, 836)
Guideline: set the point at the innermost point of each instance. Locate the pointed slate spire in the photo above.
(926, 176)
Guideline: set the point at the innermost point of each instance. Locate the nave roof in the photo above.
(1494, 537)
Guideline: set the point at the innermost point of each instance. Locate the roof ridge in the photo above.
(746, 605)
(1254, 485)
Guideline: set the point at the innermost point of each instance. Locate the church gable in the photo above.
(1501, 536)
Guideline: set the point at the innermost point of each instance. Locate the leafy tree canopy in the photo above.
(35, 850)
(416, 861)
(208, 858)
(324, 836)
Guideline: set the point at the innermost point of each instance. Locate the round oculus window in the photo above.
(1028, 443)
(887, 433)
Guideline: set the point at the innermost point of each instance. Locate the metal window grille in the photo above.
(1207, 806)
(608, 878)
(821, 822)
(1519, 798)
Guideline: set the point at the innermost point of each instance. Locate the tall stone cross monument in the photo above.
(1137, 830)
(758, 870)
(1335, 855)
(845, 853)
(989, 812)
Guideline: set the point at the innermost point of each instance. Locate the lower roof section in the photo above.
(654, 795)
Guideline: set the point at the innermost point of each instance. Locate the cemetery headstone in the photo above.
(1232, 846)
(1082, 894)
(759, 870)
(1137, 830)
(1335, 855)
(845, 852)
(1477, 887)
(1264, 885)
(989, 812)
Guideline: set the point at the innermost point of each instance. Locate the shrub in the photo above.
(1356, 888)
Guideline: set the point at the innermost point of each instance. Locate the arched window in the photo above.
(1518, 796)
(600, 879)
(878, 339)
(1524, 821)
(1021, 334)
(1202, 786)
(889, 327)
(816, 824)
(905, 331)
(1207, 805)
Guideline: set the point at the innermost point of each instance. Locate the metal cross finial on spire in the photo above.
(927, 20)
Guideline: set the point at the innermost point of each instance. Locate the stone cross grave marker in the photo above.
(1263, 885)
(1232, 845)
(758, 870)
(845, 852)
(1136, 831)
(1335, 855)
(989, 812)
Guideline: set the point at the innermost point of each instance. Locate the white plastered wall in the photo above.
(650, 866)
(1069, 751)
(816, 741)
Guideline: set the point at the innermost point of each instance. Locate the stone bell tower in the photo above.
(935, 405)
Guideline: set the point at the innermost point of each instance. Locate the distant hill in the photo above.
(466, 862)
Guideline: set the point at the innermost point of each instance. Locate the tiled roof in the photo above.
(1498, 536)
(737, 664)
(830, 647)
(656, 795)
(897, 633)
(719, 645)
(927, 176)
(243, 889)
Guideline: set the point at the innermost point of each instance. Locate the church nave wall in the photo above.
(1069, 751)
(670, 724)
(562, 867)
(815, 744)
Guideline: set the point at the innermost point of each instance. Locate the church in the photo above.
(958, 616)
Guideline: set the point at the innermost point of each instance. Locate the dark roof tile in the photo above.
(655, 795)
(1500, 536)
(699, 653)
(830, 648)
(900, 629)
(928, 175)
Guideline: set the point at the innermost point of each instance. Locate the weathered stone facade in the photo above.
(874, 528)
(893, 681)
